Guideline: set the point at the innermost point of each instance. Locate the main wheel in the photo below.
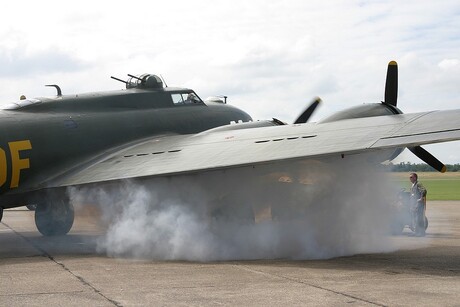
(1, 213)
(54, 217)
(426, 222)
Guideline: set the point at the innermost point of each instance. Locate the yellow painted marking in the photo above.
(2, 167)
(16, 162)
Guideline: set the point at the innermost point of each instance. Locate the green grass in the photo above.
(439, 186)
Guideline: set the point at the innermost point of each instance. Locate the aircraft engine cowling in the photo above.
(246, 125)
(369, 110)
(365, 110)
(383, 155)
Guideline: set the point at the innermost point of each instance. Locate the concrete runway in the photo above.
(36, 270)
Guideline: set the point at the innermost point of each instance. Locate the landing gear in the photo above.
(54, 216)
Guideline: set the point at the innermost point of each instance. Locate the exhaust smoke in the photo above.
(306, 210)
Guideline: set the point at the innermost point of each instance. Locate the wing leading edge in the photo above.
(188, 154)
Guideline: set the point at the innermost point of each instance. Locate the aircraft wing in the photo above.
(213, 150)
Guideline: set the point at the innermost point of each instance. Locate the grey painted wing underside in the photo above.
(184, 154)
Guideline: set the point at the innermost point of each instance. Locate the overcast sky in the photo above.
(270, 57)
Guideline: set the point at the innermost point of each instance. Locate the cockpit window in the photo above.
(186, 98)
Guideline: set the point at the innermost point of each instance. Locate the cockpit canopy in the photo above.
(144, 81)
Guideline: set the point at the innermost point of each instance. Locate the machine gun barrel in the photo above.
(119, 79)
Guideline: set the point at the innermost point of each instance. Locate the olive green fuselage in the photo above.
(55, 135)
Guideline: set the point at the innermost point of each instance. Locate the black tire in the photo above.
(426, 222)
(1, 213)
(54, 217)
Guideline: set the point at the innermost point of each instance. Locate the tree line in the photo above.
(417, 167)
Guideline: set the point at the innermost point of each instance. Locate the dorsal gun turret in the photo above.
(145, 81)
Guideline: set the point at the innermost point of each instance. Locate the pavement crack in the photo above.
(308, 284)
(39, 293)
(83, 281)
(44, 253)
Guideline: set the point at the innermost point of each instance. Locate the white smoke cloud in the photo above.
(328, 210)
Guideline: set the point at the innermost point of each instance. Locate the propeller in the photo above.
(391, 84)
(428, 158)
(303, 118)
(391, 98)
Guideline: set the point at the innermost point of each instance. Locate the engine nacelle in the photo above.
(369, 110)
(365, 110)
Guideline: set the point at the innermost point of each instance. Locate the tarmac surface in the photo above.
(68, 270)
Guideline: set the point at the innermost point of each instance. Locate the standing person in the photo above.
(418, 201)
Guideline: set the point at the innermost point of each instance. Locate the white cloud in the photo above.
(270, 57)
(448, 64)
(17, 62)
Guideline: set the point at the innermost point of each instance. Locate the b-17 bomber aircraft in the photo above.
(149, 130)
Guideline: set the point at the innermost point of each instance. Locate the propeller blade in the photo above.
(391, 85)
(303, 118)
(428, 158)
